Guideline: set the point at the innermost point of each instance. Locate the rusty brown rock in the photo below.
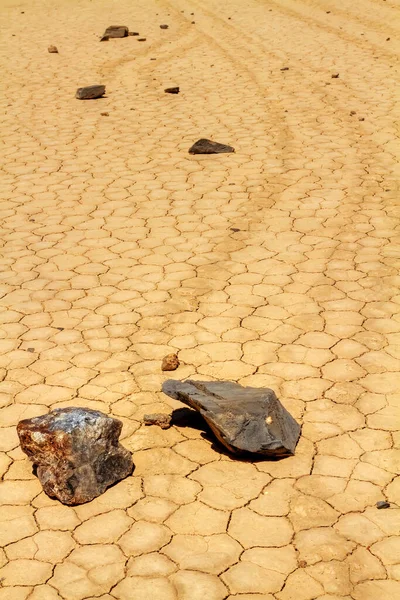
(160, 419)
(204, 146)
(76, 453)
(52, 49)
(170, 362)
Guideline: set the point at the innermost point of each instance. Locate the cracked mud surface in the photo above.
(274, 266)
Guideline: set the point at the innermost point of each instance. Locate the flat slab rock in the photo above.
(205, 146)
(245, 420)
(91, 92)
(115, 31)
(76, 453)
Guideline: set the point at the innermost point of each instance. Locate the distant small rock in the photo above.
(382, 504)
(352, 113)
(164, 26)
(141, 39)
(335, 76)
(133, 33)
(170, 362)
(361, 118)
(172, 90)
(52, 49)
(105, 114)
(204, 146)
(90, 92)
(163, 421)
(115, 31)
(285, 69)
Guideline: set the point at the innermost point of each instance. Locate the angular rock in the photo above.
(115, 31)
(164, 26)
(335, 76)
(172, 90)
(382, 504)
(245, 420)
(90, 92)
(204, 146)
(170, 362)
(76, 453)
(52, 49)
(163, 421)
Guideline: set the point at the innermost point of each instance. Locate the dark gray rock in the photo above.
(204, 146)
(76, 453)
(245, 420)
(163, 421)
(382, 504)
(172, 90)
(90, 92)
(115, 31)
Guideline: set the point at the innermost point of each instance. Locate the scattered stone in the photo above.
(382, 504)
(141, 39)
(30, 349)
(76, 452)
(193, 22)
(164, 26)
(105, 114)
(52, 49)
(335, 76)
(361, 119)
(245, 420)
(388, 39)
(285, 69)
(133, 33)
(170, 362)
(90, 92)
(60, 328)
(204, 146)
(115, 31)
(172, 90)
(235, 229)
(163, 421)
(352, 113)
(302, 564)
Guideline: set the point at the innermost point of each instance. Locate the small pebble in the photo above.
(105, 114)
(352, 113)
(361, 119)
(388, 39)
(235, 229)
(170, 362)
(335, 76)
(285, 69)
(141, 39)
(52, 50)
(30, 349)
(302, 564)
(164, 26)
(382, 504)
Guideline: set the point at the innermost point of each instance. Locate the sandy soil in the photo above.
(274, 266)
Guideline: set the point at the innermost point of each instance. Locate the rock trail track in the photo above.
(275, 266)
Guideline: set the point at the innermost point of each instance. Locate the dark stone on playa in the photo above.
(172, 90)
(90, 92)
(245, 420)
(382, 504)
(335, 76)
(76, 453)
(285, 69)
(133, 33)
(163, 421)
(115, 31)
(141, 39)
(170, 362)
(52, 50)
(204, 146)
(164, 26)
